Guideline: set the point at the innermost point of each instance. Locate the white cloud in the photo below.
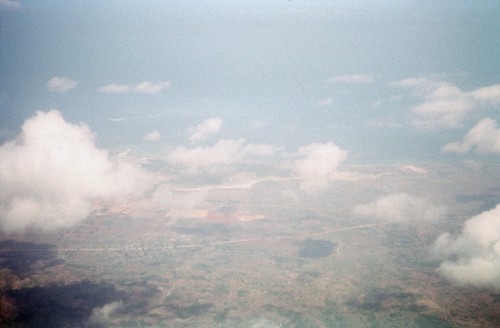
(152, 136)
(489, 94)
(484, 137)
(114, 88)
(437, 113)
(164, 201)
(410, 82)
(147, 87)
(264, 323)
(352, 78)
(212, 158)
(224, 152)
(52, 174)
(443, 104)
(103, 315)
(204, 130)
(60, 84)
(10, 4)
(317, 163)
(325, 102)
(413, 169)
(401, 207)
(473, 257)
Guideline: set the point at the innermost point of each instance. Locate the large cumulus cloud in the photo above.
(316, 163)
(52, 173)
(473, 257)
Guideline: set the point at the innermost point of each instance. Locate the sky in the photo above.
(114, 99)
(286, 73)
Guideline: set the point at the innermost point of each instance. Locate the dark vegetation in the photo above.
(377, 299)
(19, 256)
(307, 277)
(57, 306)
(313, 248)
(193, 310)
(139, 296)
(430, 321)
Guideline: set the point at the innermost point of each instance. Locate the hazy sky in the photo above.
(282, 73)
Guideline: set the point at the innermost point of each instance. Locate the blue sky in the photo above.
(251, 63)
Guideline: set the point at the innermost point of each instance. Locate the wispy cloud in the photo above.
(413, 169)
(10, 4)
(401, 207)
(171, 203)
(205, 129)
(103, 315)
(413, 82)
(152, 136)
(325, 102)
(218, 156)
(489, 94)
(114, 88)
(61, 84)
(473, 257)
(145, 87)
(352, 79)
(484, 137)
(444, 104)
